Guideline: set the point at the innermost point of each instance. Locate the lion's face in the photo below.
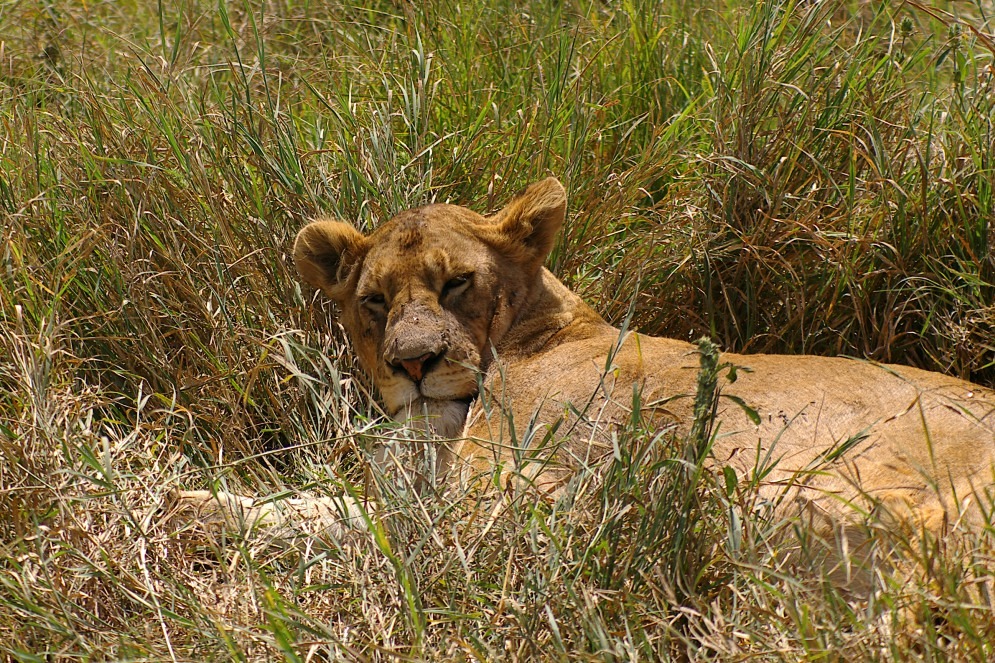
(425, 298)
(427, 295)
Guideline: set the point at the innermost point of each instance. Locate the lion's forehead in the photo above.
(421, 247)
(387, 273)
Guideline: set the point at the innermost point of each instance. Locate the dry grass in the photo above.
(799, 178)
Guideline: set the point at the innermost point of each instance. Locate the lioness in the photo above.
(459, 324)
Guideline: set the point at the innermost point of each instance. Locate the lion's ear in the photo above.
(529, 224)
(324, 251)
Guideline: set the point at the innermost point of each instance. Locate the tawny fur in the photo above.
(470, 292)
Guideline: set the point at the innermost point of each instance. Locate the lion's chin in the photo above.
(442, 418)
(441, 400)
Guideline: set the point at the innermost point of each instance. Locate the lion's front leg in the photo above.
(285, 518)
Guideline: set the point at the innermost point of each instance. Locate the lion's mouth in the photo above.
(444, 377)
(439, 377)
(429, 365)
(418, 368)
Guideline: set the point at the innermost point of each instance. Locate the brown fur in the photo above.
(926, 441)
(440, 300)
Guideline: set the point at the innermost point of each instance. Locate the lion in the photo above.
(467, 335)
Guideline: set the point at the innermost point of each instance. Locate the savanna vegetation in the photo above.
(788, 177)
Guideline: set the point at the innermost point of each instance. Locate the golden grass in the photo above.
(797, 178)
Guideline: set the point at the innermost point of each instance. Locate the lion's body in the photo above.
(441, 300)
(459, 325)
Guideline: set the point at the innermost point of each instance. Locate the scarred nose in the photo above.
(415, 340)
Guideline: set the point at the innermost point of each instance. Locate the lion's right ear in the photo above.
(324, 251)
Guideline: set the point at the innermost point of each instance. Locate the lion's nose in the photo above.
(415, 367)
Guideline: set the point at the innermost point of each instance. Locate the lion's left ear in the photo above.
(528, 226)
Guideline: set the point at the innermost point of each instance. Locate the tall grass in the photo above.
(790, 177)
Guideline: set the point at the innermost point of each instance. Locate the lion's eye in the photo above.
(375, 302)
(456, 285)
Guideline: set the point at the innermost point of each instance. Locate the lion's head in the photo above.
(429, 293)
